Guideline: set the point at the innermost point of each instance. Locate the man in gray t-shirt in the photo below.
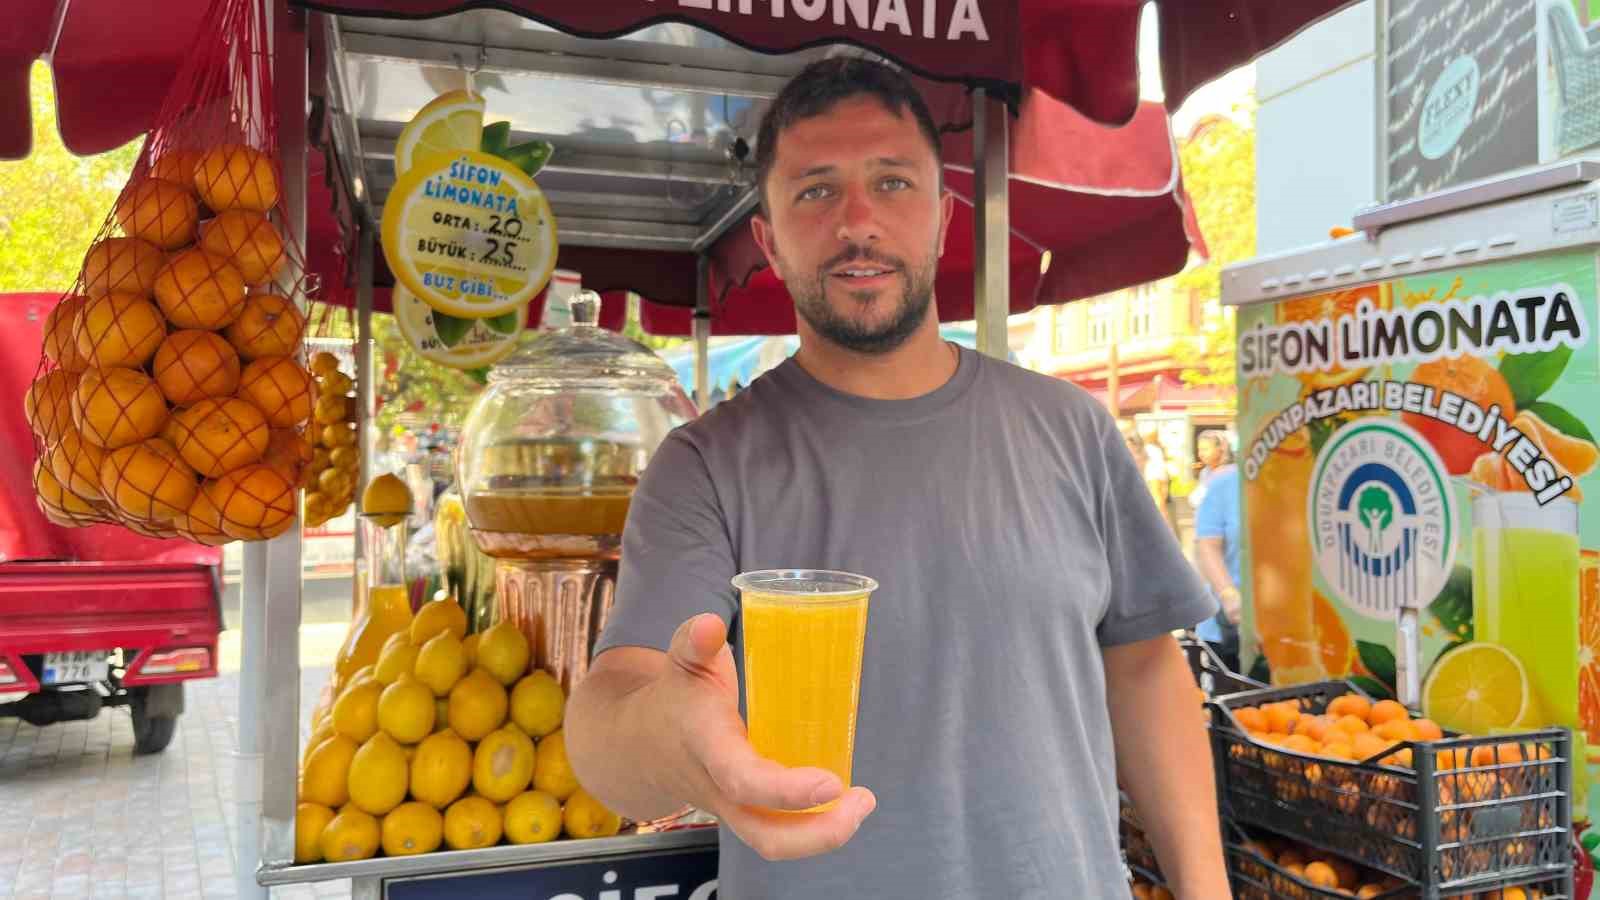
(1018, 648)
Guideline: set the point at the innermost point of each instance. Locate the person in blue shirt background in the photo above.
(1216, 548)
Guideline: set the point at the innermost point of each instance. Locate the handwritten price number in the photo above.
(500, 251)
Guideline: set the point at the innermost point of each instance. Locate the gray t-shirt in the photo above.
(1012, 537)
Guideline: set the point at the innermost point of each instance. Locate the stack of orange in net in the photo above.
(172, 400)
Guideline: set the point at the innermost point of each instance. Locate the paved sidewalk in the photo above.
(101, 822)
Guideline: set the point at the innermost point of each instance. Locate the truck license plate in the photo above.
(77, 665)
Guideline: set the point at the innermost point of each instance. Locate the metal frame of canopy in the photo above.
(593, 187)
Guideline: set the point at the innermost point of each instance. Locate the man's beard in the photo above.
(811, 303)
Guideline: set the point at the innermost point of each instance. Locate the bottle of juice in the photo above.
(388, 600)
(1280, 575)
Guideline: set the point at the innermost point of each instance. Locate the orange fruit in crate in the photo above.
(48, 404)
(197, 289)
(62, 506)
(1387, 711)
(122, 264)
(280, 389)
(176, 166)
(148, 481)
(290, 453)
(234, 176)
(76, 463)
(1281, 717)
(255, 502)
(1426, 730)
(248, 240)
(219, 435)
(202, 523)
(162, 212)
(1470, 378)
(59, 343)
(1350, 705)
(194, 365)
(269, 326)
(117, 407)
(119, 329)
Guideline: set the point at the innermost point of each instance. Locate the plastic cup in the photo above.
(804, 632)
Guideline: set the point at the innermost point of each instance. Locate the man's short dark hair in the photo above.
(820, 87)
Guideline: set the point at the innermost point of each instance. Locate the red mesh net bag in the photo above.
(172, 396)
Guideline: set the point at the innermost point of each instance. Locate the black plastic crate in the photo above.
(1136, 849)
(1255, 876)
(1472, 813)
(1215, 678)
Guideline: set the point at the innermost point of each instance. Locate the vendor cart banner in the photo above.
(676, 875)
(1428, 443)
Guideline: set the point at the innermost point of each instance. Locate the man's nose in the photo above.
(858, 218)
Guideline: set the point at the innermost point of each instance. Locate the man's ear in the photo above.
(766, 240)
(947, 211)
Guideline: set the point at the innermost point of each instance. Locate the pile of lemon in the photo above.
(450, 740)
(336, 459)
(173, 401)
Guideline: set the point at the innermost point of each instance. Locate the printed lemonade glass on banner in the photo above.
(170, 398)
(1281, 563)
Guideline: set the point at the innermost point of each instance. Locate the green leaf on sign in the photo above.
(505, 323)
(1531, 374)
(1372, 687)
(1320, 430)
(1562, 420)
(530, 156)
(1452, 609)
(496, 138)
(450, 329)
(1378, 660)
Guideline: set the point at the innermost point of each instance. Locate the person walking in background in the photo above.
(1213, 451)
(1156, 476)
(1216, 546)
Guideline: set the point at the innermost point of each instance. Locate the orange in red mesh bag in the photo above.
(170, 397)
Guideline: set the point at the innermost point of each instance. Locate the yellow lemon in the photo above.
(552, 772)
(441, 769)
(440, 663)
(327, 772)
(1476, 688)
(309, 821)
(503, 653)
(386, 500)
(412, 828)
(502, 766)
(470, 823)
(379, 775)
(350, 835)
(405, 710)
(435, 617)
(532, 817)
(537, 703)
(477, 705)
(449, 123)
(585, 817)
(355, 713)
(396, 659)
(324, 363)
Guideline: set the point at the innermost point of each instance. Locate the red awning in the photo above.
(1084, 52)
(24, 531)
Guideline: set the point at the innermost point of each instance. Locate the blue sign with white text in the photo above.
(668, 875)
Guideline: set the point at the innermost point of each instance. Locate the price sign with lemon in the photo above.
(466, 230)
(454, 341)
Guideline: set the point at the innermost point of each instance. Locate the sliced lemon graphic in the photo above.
(450, 123)
(458, 343)
(1477, 688)
(469, 234)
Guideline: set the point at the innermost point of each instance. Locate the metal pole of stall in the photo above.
(992, 231)
(364, 403)
(252, 678)
(280, 714)
(702, 336)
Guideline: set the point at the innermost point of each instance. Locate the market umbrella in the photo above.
(1084, 52)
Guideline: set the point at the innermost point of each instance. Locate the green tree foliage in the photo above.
(1219, 174)
(53, 204)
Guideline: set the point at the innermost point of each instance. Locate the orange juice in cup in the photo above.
(804, 632)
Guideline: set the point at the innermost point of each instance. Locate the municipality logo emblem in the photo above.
(1381, 516)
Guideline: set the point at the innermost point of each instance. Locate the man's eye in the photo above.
(895, 183)
(815, 192)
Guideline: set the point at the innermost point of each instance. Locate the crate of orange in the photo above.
(1325, 764)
